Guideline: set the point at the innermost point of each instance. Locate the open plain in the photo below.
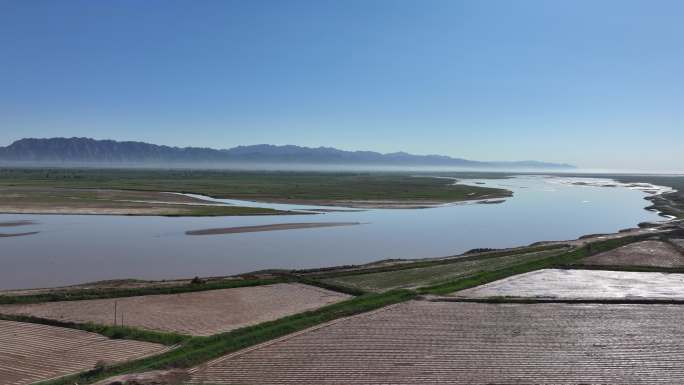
(421, 342)
(31, 352)
(199, 313)
(74, 190)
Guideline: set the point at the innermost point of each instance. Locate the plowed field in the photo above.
(423, 342)
(199, 313)
(32, 352)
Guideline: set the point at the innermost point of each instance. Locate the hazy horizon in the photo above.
(596, 85)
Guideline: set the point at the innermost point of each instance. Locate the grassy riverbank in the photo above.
(668, 204)
(345, 188)
(77, 294)
(85, 201)
(562, 259)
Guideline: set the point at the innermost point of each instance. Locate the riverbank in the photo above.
(358, 190)
(101, 289)
(93, 201)
(320, 328)
(666, 191)
(152, 247)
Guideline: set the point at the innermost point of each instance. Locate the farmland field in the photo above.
(432, 275)
(583, 284)
(198, 313)
(31, 352)
(646, 253)
(471, 343)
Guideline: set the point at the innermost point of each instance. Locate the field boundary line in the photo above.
(168, 348)
(287, 337)
(627, 268)
(520, 300)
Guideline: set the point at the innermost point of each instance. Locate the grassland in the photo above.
(351, 189)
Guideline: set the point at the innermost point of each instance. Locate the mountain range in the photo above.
(92, 151)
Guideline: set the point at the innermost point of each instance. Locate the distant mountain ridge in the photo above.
(86, 150)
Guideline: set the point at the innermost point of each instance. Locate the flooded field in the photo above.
(71, 249)
(583, 284)
(422, 342)
(201, 313)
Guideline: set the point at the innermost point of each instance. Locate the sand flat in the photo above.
(9, 235)
(582, 284)
(421, 342)
(30, 352)
(273, 227)
(199, 313)
(17, 223)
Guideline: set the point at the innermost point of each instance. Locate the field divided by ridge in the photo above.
(471, 343)
(31, 352)
(195, 313)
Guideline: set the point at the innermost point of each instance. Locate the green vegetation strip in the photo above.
(218, 211)
(550, 262)
(201, 349)
(83, 294)
(252, 185)
(332, 286)
(429, 263)
(114, 332)
(434, 275)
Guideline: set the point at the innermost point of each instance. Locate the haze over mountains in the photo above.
(58, 151)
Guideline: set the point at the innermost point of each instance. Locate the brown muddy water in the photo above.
(73, 249)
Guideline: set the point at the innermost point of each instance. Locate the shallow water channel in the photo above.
(70, 249)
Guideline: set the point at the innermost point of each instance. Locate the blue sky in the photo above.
(596, 83)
